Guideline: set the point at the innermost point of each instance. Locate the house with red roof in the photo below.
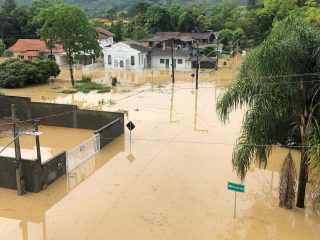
(36, 48)
(105, 37)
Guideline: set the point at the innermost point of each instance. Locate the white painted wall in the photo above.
(123, 52)
(106, 42)
(155, 62)
(61, 59)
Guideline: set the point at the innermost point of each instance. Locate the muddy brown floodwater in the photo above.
(169, 183)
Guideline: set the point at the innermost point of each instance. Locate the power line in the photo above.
(211, 143)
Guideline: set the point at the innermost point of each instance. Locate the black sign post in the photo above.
(130, 126)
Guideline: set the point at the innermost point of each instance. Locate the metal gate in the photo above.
(83, 152)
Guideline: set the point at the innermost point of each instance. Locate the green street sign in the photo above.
(235, 187)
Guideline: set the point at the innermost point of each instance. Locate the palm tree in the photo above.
(280, 89)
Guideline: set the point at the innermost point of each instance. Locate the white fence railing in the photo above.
(83, 152)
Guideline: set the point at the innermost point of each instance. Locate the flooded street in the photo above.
(53, 140)
(169, 183)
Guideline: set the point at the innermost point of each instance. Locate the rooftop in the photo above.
(104, 34)
(32, 47)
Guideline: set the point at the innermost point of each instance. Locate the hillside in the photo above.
(99, 8)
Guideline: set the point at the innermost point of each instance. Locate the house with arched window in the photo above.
(127, 55)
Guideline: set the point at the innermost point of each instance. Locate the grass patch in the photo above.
(56, 88)
(69, 91)
(85, 85)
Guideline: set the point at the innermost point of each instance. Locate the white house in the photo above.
(36, 48)
(105, 37)
(131, 55)
(126, 55)
(162, 59)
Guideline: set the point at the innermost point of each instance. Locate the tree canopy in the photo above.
(68, 25)
(277, 85)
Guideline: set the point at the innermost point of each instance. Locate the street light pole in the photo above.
(172, 65)
(17, 151)
(36, 129)
(197, 65)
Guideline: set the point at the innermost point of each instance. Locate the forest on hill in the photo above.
(251, 23)
(98, 8)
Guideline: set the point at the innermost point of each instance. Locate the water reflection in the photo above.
(30, 212)
(195, 127)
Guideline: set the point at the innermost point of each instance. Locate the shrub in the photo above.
(49, 67)
(2, 47)
(7, 53)
(86, 79)
(16, 73)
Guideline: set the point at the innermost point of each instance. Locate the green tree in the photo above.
(276, 84)
(2, 47)
(226, 36)
(68, 25)
(158, 19)
(311, 12)
(188, 20)
(117, 27)
(203, 23)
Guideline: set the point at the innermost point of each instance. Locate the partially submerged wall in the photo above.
(109, 125)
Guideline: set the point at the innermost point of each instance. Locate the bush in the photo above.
(86, 79)
(210, 51)
(16, 73)
(7, 54)
(49, 67)
(2, 47)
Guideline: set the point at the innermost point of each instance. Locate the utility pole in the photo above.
(197, 69)
(172, 65)
(36, 129)
(15, 131)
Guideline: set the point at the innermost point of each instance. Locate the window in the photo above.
(109, 59)
(132, 60)
(121, 64)
(162, 61)
(180, 61)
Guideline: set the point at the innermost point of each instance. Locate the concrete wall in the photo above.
(111, 131)
(110, 125)
(61, 115)
(34, 173)
(53, 169)
(22, 105)
(88, 119)
(31, 170)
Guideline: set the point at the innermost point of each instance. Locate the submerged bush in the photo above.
(16, 73)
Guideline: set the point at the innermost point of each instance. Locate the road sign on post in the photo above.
(236, 188)
(130, 126)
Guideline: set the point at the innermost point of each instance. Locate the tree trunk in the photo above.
(71, 70)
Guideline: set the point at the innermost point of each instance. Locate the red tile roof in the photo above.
(38, 45)
(29, 53)
(104, 34)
